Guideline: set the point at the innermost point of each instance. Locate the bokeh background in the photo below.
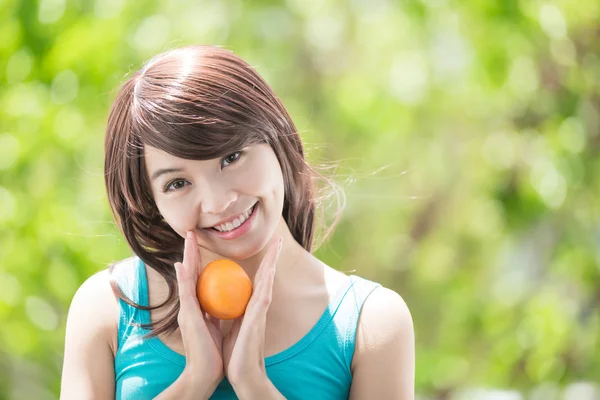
(466, 136)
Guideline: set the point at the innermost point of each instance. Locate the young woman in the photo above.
(203, 162)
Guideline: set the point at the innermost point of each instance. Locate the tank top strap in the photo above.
(130, 275)
(349, 312)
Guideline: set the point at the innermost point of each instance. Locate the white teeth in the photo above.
(235, 223)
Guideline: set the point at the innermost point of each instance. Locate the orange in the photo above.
(224, 289)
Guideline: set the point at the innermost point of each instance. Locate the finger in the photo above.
(267, 291)
(191, 257)
(185, 276)
(261, 298)
(182, 284)
(188, 315)
(269, 261)
(263, 281)
(265, 285)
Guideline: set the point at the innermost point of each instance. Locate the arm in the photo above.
(258, 389)
(383, 366)
(88, 367)
(185, 388)
(243, 347)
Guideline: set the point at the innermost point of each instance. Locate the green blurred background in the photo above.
(467, 138)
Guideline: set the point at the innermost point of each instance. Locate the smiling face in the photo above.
(199, 194)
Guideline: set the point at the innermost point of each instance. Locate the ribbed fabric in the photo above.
(316, 367)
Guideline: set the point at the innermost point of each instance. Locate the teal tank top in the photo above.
(316, 367)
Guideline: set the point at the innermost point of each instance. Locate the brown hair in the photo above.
(196, 102)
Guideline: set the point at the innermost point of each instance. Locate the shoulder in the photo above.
(385, 324)
(385, 309)
(93, 292)
(91, 340)
(98, 285)
(383, 365)
(92, 298)
(95, 308)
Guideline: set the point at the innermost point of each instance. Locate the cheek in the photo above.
(180, 218)
(276, 182)
(277, 187)
(265, 180)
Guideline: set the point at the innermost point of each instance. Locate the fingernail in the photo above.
(189, 234)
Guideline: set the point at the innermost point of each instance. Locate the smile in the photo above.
(236, 223)
(238, 227)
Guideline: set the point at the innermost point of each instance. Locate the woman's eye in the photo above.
(178, 184)
(174, 185)
(230, 159)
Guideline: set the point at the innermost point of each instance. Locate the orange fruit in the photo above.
(224, 289)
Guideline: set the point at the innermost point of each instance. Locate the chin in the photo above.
(243, 252)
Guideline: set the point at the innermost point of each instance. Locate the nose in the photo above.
(216, 199)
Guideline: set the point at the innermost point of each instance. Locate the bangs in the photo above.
(192, 140)
(196, 112)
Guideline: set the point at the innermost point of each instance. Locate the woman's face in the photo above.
(199, 195)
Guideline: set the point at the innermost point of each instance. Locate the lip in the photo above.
(240, 230)
(230, 220)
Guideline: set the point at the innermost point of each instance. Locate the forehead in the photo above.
(156, 158)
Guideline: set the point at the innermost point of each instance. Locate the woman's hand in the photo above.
(202, 339)
(243, 347)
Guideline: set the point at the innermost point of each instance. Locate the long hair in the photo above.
(196, 102)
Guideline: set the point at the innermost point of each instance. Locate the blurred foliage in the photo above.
(467, 135)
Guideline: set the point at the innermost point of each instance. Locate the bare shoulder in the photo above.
(385, 310)
(90, 340)
(383, 365)
(95, 304)
(385, 322)
(94, 292)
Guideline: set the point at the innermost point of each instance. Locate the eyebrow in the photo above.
(162, 171)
